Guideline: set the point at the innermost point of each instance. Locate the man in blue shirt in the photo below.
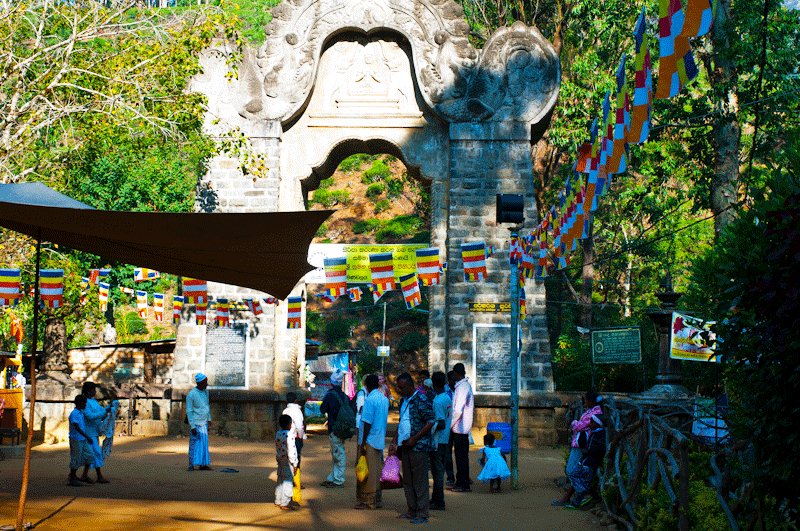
(442, 414)
(371, 441)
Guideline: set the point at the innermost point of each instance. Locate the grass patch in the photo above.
(354, 162)
(398, 228)
(377, 172)
(329, 198)
(382, 206)
(374, 190)
(367, 225)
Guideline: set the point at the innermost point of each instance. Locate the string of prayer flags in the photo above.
(141, 274)
(382, 267)
(10, 292)
(141, 303)
(195, 291)
(354, 294)
(377, 292)
(618, 159)
(51, 287)
(324, 296)
(94, 276)
(84, 289)
(254, 306)
(271, 300)
(223, 312)
(200, 313)
(335, 276)
(127, 291)
(515, 251)
(411, 293)
(158, 306)
(527, 266)
(489, 251)
(177, 306)
(294, 315)
(428, 266)
(699, 18)
(474, 257)
(676, 66)
(102, 295)
(523, 312)
(642, 109)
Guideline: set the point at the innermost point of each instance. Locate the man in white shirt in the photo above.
(298, 429)
(371, 441)
(198, 414)
(463, 409)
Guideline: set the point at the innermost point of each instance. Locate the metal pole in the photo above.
(26, 467)
(514, 370)
(383, 335)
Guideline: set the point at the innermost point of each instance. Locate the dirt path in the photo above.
(151, 489)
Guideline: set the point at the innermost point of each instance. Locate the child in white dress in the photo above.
(494, 464)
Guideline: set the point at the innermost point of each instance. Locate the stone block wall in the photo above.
(98, 363)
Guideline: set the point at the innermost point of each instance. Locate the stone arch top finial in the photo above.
(515, 77)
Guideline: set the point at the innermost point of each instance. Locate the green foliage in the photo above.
(374, 190)
(328, 198)
(398, 228)
(413, 342)
(355, 162)
(382, 206)
(321, 231)
(130, 327)
(377, 172)
(337, 332)
(325, 183)
(315, 324)
(394, 187)
(254, 14)
(366, 225)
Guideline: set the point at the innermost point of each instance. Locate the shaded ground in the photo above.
(151, 489)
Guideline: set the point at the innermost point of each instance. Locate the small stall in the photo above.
(320, 366)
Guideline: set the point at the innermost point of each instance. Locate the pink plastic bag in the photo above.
(390, 477)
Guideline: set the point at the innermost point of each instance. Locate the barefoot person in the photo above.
(371, 440)
(287, 458)
(198, 413)
(94, 415)
(80, 450)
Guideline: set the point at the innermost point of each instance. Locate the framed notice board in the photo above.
(620, 345)
(227, 355)
(491, 359)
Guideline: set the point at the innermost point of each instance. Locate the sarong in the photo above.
(198, 447)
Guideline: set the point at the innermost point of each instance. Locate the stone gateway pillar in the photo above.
(334, 78)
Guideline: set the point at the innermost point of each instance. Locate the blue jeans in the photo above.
(339, 460)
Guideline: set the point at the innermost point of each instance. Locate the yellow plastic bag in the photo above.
(296, 495)
(361, 468)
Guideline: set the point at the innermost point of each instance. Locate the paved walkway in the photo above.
(151, 489)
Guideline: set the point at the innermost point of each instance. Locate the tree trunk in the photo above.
(587, 281)
(55, 346)
(726, 128)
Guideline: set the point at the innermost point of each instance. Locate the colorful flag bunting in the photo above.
(515, 251)
(141, 303)
(382, 267)
(354, 294)
(335, 276)
(411, 293)
(84, 289)
(618, 158)
(324, 296)
(200, 313)
(643, 86)
(295, 311)
(489, 251)
(474, 257)
(51, 287)
(428, 266)
(223, 312)
(141, 274)
(10, 292)
(177, 306)
(377, 292)
(94, 276)
(195, 291)
(254, 306)
(522, 306)
(102, 295)
(127, 291)
(676, 66)
(272, 300)
(699, 18)
(158, 306)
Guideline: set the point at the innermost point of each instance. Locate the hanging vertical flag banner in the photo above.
(643, 86)
(515, 251)
(254, 306)
(51, 287)
(354, 294)
(272, 300)
(102, 295)
(177, 306)
(618, 159)
(94, 276)
(295, 312)
(699, 18)
(382, 267)
(141, 274)
(200, 313)
(523, 312)
(127, 291)
(411, 293)
(10, 292)
(141, 303)
(676, 66)
(335, 276)
(158, 306)
(84, 289)
(195, 291)
(489, 251)
(474, 257)
(428, 266)
(223, 312)
(103, 272)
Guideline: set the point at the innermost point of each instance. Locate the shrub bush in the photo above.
(398, 228)
(374, 190)
(394, 188)
(377, 172)
(381, 206)
(367, 225)
(354, 162)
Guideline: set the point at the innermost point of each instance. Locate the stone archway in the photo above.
(333, 75)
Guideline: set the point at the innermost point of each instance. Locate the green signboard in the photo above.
(616, 345)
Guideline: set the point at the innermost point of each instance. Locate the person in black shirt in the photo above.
(332, 402)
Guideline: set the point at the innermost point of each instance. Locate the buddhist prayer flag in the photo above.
(522, 306)
(141, 274)
(699, 17)
(676, 66)
(10, 292)
(158, 306)
(141, 303)
(254, 306)
(51, 287)
(474, 257)
(195, 291)
(104, 272)
(618, 159)
(489, 251)
(127, 291)
(428, 266)
(382, 267)
(223, 312)
(84, 289)
(515, 251)
(354, 294)
(324, 296)
(410, 287)
(643, 86)
(200, 313)
(94, 276)
(294, 315)
(102, 295)
(177, 306)
(271, 300)
(335, 276)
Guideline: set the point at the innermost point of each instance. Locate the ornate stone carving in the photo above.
(515, 77)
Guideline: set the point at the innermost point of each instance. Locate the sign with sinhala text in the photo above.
(617, 345)
(226, 356)
(490, 307)
(404, 260)
(491, 358)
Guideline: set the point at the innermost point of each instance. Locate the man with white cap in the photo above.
(198, 415)
(333, 405)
